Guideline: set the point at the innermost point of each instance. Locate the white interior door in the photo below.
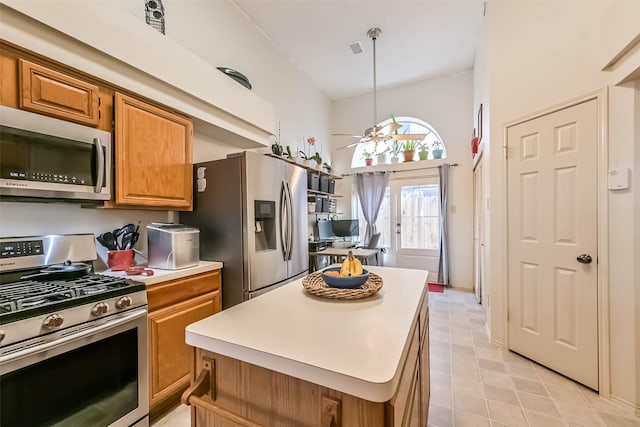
(552, 206)
(415, 224)
(478, 230)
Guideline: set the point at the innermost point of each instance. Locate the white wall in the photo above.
(222, 35)
(445, 103)
(536, 55)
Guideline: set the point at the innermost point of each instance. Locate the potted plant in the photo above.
(436, 149)
(396, 149)
(287, 153)
(423, 151)
(276, 148)
(409, 149)
(307, 159)
(380, 156)
(318, 159)
(327, 167)
(368, 160)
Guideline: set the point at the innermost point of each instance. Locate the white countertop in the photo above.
(356, 347)
(166, 275)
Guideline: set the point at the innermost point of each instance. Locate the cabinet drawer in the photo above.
(55, 94)
(167, 293)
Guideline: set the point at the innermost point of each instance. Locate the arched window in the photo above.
(391, 151)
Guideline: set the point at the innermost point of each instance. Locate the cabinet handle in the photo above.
(202, 385)
(330, 412)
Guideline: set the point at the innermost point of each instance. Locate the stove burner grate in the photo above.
(28, 294)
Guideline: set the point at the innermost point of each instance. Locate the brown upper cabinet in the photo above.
(153, 156)
(49, 92)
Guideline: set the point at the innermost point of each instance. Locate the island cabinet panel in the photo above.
(425, 391)
(49, 92)
(236, 393)
(268, 398)
(153, 156)
(398, 407)
(172, 306)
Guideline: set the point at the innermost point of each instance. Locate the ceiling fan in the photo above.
(375, 133)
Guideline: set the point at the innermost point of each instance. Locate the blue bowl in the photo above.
(344, 282)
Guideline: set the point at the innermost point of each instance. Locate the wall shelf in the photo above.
(308, 168)
(322, 193)
(326, 213)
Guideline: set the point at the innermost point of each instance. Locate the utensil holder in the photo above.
(120, 260)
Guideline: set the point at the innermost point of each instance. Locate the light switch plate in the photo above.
(619, 178)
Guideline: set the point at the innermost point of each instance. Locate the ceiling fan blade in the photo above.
(409, 137)
(390, 127)
(344, 147)
(347, 134)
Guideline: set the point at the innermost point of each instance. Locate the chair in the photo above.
(373, 244)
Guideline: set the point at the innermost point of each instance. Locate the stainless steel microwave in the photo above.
(43, 157)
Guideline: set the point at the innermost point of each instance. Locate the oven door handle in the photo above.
(100, 178)
(73, 337)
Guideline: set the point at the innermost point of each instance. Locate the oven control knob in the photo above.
(53, 321)
(123, 302)
(1, 335)
(99, 309)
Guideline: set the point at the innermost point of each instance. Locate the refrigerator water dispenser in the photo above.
(265, 226)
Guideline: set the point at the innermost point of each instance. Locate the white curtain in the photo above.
(371, 188)
(443, 267)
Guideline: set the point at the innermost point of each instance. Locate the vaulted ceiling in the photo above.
(420, 39)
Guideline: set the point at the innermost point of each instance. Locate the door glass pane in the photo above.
(420, 207)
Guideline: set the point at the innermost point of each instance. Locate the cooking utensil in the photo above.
(107, 240)
(67, 270)
(123, 236)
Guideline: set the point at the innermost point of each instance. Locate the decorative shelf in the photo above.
(308, 168)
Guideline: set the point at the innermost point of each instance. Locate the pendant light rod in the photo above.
(373, 33)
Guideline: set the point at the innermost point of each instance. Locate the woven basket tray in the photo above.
(314, 284)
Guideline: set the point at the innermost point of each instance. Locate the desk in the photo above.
(336, 254)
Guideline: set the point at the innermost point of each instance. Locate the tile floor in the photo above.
(475, 383)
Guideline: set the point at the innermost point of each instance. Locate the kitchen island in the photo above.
(290, 358)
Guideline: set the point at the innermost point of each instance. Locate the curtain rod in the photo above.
(406, 170)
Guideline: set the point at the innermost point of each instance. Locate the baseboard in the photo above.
(628, 405)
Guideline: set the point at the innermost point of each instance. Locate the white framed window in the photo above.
(410, 125)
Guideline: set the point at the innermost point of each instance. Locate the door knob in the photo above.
(584, 259)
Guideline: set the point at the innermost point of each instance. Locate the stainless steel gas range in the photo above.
(73, 344)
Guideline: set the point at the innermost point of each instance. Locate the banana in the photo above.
(351, 266)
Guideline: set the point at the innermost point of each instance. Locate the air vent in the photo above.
(355, 47)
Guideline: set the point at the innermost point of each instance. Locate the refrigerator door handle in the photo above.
(284, 224)
(290, 222)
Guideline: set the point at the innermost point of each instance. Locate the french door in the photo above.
(414, 223)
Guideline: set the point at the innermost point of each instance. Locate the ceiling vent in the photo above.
(355, 47)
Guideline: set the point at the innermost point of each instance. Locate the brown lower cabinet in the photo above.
(172, 306)
(229, 392)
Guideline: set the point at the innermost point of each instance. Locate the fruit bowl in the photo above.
(345, 282)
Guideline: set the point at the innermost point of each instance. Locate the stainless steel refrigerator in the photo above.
(252, 214)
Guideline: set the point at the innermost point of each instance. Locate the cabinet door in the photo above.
(55, 94)
(170, 357)
(153, 156)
